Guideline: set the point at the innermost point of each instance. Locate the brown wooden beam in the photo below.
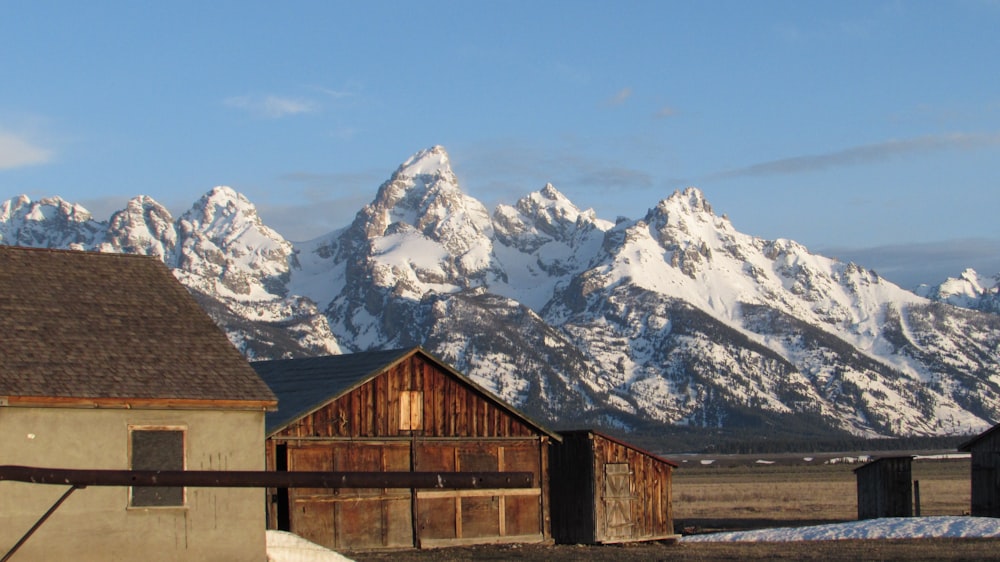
(266, 479)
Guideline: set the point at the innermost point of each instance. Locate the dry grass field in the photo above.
(742, 494)
(747, 495)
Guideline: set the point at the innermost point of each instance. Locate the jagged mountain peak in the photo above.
(414, 187)
(142, 227)
(968, 290)
(46, 208)
(48, 222)
(221, 203)
(689, 201)
(550, 212)
(8, 207)
(684, 208)
(423, 195)
(553, 201)
(431, 161)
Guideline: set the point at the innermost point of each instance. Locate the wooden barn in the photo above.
(108, 363)
(401, 410)
(607, 491)
(885, 488)
(985, 449)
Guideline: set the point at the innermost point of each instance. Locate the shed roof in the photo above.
(620, 442)
(967, 446)
(883, 460)
(307, 384)
(112, 329)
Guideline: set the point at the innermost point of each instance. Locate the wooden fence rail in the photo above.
(266, 479)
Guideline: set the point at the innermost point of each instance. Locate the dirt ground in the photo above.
(923, 549)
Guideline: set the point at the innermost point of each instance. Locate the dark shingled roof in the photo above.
(94, 325)
(306, 385)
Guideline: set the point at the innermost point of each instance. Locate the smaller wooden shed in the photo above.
(607, 491)
(885, 488)
(985, 449)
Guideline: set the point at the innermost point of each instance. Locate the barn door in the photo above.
(618, 522)
(479, 516)
(352, 518)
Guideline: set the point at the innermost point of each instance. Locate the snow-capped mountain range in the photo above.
(673, 318)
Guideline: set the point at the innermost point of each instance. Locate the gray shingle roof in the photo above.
(94, 325)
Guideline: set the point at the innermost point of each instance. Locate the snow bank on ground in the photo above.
(886, 528)
(286, 547)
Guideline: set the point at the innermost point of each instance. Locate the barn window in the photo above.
(156, 449)
(411, 410)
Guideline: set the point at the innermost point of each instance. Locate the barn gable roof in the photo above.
(305, 385)
(968, 445)
(101, 329)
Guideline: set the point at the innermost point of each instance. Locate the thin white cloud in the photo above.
(335, 94)
(863, 154)
(271, 106)
(621, 97)
(17, 151)
(666, 111)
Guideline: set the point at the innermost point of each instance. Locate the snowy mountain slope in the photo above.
(675, 318)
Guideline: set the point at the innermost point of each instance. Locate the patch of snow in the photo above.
(849, 460)
(885, 528)
(287, 547)
(943, 456)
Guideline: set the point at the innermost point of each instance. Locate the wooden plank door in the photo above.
(479, 516)
(310, 511)
(352, 518)
(618, 523)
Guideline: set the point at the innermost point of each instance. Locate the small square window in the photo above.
(157, 449)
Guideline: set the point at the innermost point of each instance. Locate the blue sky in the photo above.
(866, 130)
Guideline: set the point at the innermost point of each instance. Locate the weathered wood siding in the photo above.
(449, 409)
(414, 416)
(985, 475)
(885, 488)
(604, 491)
